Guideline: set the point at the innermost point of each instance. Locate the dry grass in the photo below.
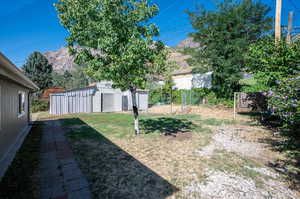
(152, 165)
(205, 111)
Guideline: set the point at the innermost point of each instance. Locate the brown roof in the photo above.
(47, 92)
(183, 71)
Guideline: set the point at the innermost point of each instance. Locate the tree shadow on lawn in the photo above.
(166, 126)
(111, 171)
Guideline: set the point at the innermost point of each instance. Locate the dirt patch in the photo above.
(181, 136)
(207, 112)
(227, 186)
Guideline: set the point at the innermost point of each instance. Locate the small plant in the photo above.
(38, 105)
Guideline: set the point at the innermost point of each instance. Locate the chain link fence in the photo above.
(182, 98)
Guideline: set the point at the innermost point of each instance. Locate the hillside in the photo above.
(62, 61)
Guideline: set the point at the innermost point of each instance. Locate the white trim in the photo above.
(21, 104)
(8, 65)
(10, 154)
(0, 108)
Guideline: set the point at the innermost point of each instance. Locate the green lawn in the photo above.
(120, 125)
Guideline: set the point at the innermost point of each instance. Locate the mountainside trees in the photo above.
(38, 70)
(121, 31)
(75, 78)
(225, 34)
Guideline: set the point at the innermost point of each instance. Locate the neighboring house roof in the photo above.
(183, 71)
(10, 71)
(46, 93)
(296, 37)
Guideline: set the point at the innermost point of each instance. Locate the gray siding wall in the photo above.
(11, 124)
(112, 100)
(89, 100)
(75, 101)
(97, 102)
(141, 100)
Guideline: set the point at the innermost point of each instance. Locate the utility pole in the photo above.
(278, 21)
(290, 27)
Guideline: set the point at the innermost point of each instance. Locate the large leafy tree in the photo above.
(38, 70)
(121, 31)
(270, 63)
(225, 35)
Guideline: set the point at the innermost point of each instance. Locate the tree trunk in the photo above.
(135, 112)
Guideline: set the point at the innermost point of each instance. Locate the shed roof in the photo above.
(9, 70)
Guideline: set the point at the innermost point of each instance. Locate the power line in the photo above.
(167, 8)
(294, 5)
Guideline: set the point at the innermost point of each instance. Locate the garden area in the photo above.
(179, 156)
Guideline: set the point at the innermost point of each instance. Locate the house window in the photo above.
(21, 103)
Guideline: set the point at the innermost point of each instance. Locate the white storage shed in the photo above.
(95, 99)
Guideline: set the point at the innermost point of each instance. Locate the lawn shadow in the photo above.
(111, 171)
(166, 125)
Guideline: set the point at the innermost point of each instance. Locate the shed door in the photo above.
(143, 101)
(125, 103)
(108, 102)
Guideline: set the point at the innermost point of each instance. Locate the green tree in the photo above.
(58, 80)
(68, 80)
(38, 70)
(121, 31)
(76, 78)
(166, 90)
(270, 63)
(225, 35)
(79, 77)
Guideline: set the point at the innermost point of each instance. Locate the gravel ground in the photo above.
(224, 185)
(264, 171)
(230, 140)
(230, 186)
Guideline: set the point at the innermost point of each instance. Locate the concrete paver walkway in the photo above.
(60, 176)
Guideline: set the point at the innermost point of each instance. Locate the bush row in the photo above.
(194, 96)
(38, 105)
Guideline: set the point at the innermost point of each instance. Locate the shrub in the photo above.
(269, 62)
(284, 101)
(159, 96)
(212, 99)
(39, 105)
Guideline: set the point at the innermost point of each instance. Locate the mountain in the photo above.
(188, 43)
(62, 61)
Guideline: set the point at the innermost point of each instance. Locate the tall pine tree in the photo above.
(38, 70)
(225, 34)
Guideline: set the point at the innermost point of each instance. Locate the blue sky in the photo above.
(32, 25)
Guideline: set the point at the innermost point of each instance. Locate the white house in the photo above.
(185, 79)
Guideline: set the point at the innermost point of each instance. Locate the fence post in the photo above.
(234, 105)
(191, 93)
(171, 100)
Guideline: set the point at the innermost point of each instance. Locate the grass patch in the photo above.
(234, 163)
(20, 180)
(120, 126)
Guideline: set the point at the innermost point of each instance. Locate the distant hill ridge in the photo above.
(62, 61)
